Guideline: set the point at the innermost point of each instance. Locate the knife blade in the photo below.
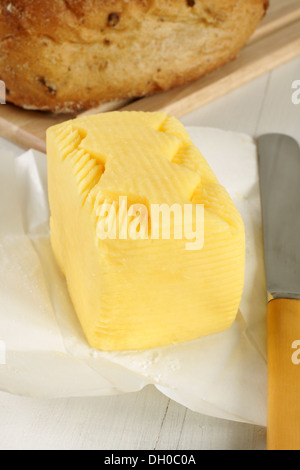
(279, 176)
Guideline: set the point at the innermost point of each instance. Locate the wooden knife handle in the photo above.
(283, 428)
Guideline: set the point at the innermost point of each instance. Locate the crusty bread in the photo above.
(63, 55)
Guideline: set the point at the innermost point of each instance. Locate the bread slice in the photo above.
(64, 55)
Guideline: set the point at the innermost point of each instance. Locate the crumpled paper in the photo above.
(43, 350)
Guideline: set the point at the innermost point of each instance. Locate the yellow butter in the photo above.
(133, 294)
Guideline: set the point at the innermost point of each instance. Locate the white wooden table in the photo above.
(148, 420)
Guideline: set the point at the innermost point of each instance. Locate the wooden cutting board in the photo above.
(276, 41)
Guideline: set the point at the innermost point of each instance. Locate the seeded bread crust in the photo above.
(68, 55)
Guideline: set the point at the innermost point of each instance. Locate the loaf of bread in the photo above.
(65, 55)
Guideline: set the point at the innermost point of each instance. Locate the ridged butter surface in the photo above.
(138, 294)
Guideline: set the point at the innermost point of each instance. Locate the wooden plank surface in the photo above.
(28, 128)
(276, 41)
(280, 14)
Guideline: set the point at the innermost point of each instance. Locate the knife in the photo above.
(279, 176)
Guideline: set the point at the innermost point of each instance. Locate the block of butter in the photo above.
(151, 245)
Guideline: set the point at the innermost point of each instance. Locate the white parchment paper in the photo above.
(43, 352)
